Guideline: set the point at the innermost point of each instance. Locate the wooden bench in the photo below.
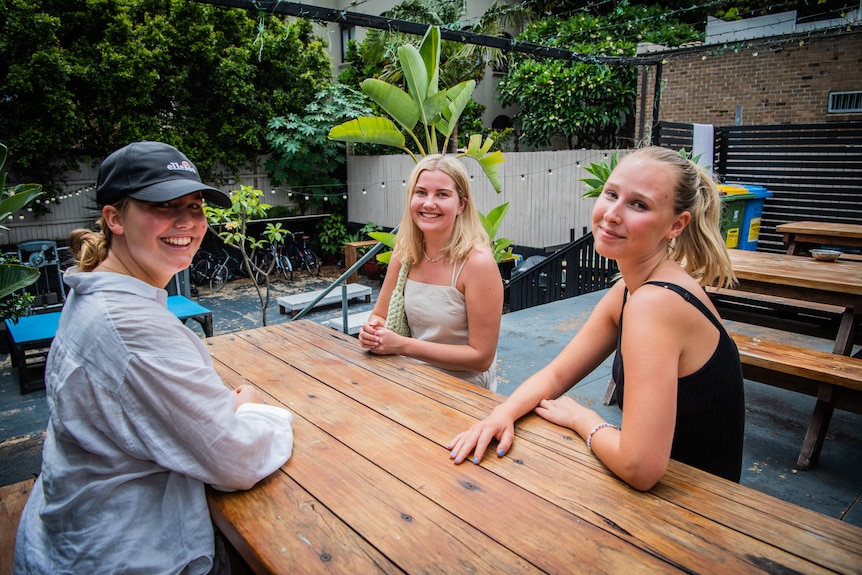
(296, 302)
(12, 500)
(798, 316)
(354, 322)
(31, 336)
(835, 380)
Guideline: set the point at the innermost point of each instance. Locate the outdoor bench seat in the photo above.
(355, 322)
(296, 302)
(800, 316)
(834, 379)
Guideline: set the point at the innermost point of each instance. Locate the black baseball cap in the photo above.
(152, 172)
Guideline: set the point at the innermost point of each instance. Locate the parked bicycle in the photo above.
(300, 255)
(206, 268)
(263, 259)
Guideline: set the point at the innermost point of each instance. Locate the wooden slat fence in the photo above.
(544, 190)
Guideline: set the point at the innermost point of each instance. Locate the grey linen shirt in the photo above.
(139, 422)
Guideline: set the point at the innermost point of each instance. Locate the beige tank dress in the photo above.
(438, 313)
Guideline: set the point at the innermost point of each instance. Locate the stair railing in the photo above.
(572, 270)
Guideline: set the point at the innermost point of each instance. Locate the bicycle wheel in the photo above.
(312, 262)
(200, 272)
(219, 278)
(285, 267)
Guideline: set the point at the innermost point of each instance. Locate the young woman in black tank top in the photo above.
(680, 387)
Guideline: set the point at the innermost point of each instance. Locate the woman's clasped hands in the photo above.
(374, 337)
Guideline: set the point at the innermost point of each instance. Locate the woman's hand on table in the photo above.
(479, 436)
(246, 394)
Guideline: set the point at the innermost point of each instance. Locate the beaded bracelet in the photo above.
(595, 429)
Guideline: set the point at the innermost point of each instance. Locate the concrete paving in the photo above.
(776, 419)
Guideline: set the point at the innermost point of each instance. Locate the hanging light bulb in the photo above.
(523, 177)
(383, 185)
(364, 192)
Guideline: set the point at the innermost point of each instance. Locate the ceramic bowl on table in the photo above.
(825, 255)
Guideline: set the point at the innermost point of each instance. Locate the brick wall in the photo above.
(775, 82)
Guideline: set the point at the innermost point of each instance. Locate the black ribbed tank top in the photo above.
(710, 409)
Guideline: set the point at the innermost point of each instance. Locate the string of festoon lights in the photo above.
(54, 200)
(368, 187)
(308, 193)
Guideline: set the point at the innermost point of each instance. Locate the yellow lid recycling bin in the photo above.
(732, 213)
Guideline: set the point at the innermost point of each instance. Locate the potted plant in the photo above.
(331, 236)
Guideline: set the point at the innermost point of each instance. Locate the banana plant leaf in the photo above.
(490, 162)
(457, 97)
(370, 130)
(16, 198)
(14, 277)
(429, 49)
(388, 240)
(394, 101)
(415, 73)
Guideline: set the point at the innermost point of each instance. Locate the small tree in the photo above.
(234, 221)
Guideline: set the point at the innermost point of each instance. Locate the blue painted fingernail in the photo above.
(501, 453)
(476, 460)
(452, 454)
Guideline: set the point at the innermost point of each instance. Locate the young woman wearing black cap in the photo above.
(139, 419)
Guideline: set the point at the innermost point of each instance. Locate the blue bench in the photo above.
(31, 336)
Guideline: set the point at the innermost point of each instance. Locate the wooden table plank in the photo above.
(734, 503)
(834, 283)
(683, 537)
(319, 541)
(802, 236)
(481, 497)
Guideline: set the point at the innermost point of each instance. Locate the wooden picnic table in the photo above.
(370, 487)
(836, 283)
(799, 237)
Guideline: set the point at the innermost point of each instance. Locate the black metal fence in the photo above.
(814, 171)
(572, 270)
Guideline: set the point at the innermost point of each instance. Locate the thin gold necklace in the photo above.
(429, 260)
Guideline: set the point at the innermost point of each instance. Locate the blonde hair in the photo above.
(90, 248)
(468, 234)
(700, 248)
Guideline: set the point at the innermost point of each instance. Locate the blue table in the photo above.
(185, 309)
(31, 337)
